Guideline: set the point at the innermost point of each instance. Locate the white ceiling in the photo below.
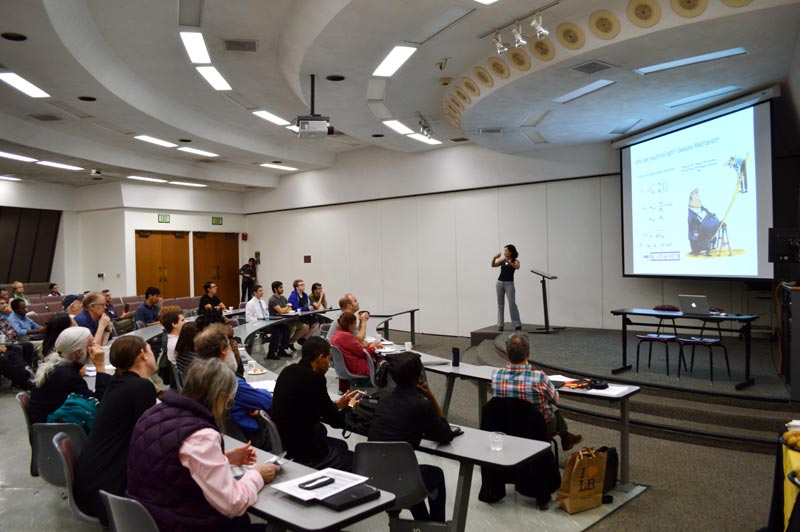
(128, 55)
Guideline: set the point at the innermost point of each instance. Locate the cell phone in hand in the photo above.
(315, 483)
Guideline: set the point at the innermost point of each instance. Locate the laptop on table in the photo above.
(695, 304)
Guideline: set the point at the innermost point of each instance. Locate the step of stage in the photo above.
(491, 332)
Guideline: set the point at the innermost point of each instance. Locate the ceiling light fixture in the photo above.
(486, 2)
(59, 165)
(393, 61)
(153, 140)
(583, 91)
(269, 117)
(536, 24)
(519, 40)
(195, 47)
(198, 152)
(185, 184)
(691, 60)
(16, 157)
(9, 178)
(423, 138)
(398, 126)
(293, 128)
(702, 96)
(23, 85)
(214, 78)
(499, 45)
(148, 179)
(279, 167)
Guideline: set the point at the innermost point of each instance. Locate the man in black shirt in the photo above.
(210, 300)
(300, 404)
(409, 414)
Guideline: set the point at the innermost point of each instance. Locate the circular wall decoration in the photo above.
(688, 8)
(604, 24)
(499, 67)
(483, 77)
(644, 13)
(519, 59)
(570, 35)
(736, 3)
(471, 86)
(543, 49)
(463, 96)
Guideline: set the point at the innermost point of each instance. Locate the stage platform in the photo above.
(595, 352)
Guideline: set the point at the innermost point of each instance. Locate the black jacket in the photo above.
(405, 415)
(62, 381)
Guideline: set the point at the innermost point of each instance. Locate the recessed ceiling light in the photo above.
(59, 165)
(185, 184)
(87, 98)
(269, 117)
(702, 96)
(11, 36)
(23, 85)
(293, 129)
(398, 126)
(198, 152)
(9, 178)
(423, 138)
(195, 47)
(583, 91)
(16, 157)
(335, 77)
(153, 140)
(148, 179)
(276, 162)
(486, 2)
(97, 179)
(691, 60)
(184, 140)
(279, 167)
(394, 61)
(214, 78)
(377, 135)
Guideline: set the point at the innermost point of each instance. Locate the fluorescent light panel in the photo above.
(583, 91)
(198, 152)
(279, 167)
(16, 157)
(702, 96)
(59, 165)
(394, 61)
(214, 78)
(148, 179)
(486, 2)
(153, 140)
(195, 46)
(423, 138)
(9, 178)
(269, 117)
(398, 126)
(691, 60)
(185, 184)
(23, 85)
(293, 129)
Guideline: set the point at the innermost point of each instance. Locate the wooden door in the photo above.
(216, 258)
(162, 260)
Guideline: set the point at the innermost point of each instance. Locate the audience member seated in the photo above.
(318, 301)
(103, 462)
(300, 406)
(348, 302)
(94, 318)
(60, 373)
(184, 347)
(176, 464)
(22, 324)
(15, 367)
(13, 340)
(147, 313)
(172, 321)
(54, 327)
(4, 295)
(256, 308)
(300, 301)
(409, 414)
(18, 291)
(122, 323)
(291, 330)
(354, 352)
(518, 379)
(73, 304)
(54, 290)
(210, 300)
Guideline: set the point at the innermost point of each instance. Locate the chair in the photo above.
(35, 299)
(38, 308)
(132, 299)
(43, 317)
(393, 467)
(658, 338)
(48, 464)
(341, 369)
(68, 452)
(171, 302)
(275, 444)
(53, 301)
(24, 399)
(127, 515)
(177, 377)
(702, 342)
(242, 305)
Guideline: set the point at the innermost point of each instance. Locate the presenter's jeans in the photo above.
(506, 289)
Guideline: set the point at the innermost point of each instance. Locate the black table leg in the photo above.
(625, 366)
(748, 380)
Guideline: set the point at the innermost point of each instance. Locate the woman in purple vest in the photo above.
(177, 464)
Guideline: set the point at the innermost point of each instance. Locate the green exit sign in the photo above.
(163, 218)
(216, 220)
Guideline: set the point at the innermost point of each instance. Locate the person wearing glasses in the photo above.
(94, 317)
(210, 300)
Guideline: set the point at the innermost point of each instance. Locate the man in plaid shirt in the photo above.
(520, 380)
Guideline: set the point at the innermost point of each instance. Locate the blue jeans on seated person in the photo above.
(433, 478)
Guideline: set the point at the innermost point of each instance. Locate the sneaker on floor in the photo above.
(570, 440)
(285, 354)
(291, 347)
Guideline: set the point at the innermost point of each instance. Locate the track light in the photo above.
(502, 47)
(519, 40)
(536, 24)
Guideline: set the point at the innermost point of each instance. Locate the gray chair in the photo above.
(127, 515)
(48, 463)
(341, 368)
(275, 444)
(393, 467)
(24, 399)
(68, 452)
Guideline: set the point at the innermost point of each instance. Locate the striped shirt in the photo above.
(522, 382)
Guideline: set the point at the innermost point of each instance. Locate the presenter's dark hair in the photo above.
(517, 347)
(275, 285)
(314, 347)
(405, 369)
(512, 249)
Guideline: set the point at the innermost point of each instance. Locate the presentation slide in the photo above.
(698, 202)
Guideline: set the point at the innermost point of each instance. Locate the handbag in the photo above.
(582, 484)
(77, 409)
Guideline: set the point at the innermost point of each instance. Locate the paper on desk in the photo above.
(560, 378)
(611, 391)
(264, 385)
(342, 481)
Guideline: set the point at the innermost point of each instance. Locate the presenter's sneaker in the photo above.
(568, 441)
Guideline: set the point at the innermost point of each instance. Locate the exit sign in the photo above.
(216, 220)
(163, 218)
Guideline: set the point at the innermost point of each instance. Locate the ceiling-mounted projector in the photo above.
(313, 127)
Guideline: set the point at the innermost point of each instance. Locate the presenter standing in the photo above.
(508, 264)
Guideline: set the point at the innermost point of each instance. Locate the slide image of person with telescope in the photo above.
(703, 225)
(739, 165)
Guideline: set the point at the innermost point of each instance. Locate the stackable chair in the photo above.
(127, 515)
(342, 372)
(68, 453)
(657, 338)
(710, 343)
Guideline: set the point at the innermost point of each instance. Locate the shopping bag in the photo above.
(582, 482)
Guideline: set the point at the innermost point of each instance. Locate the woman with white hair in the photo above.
(60, 373)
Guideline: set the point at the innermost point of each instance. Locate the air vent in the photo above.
(74, 111)
(46, 117)
(240, 45)
(459, 139)
(591, 67)
(490, 130)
